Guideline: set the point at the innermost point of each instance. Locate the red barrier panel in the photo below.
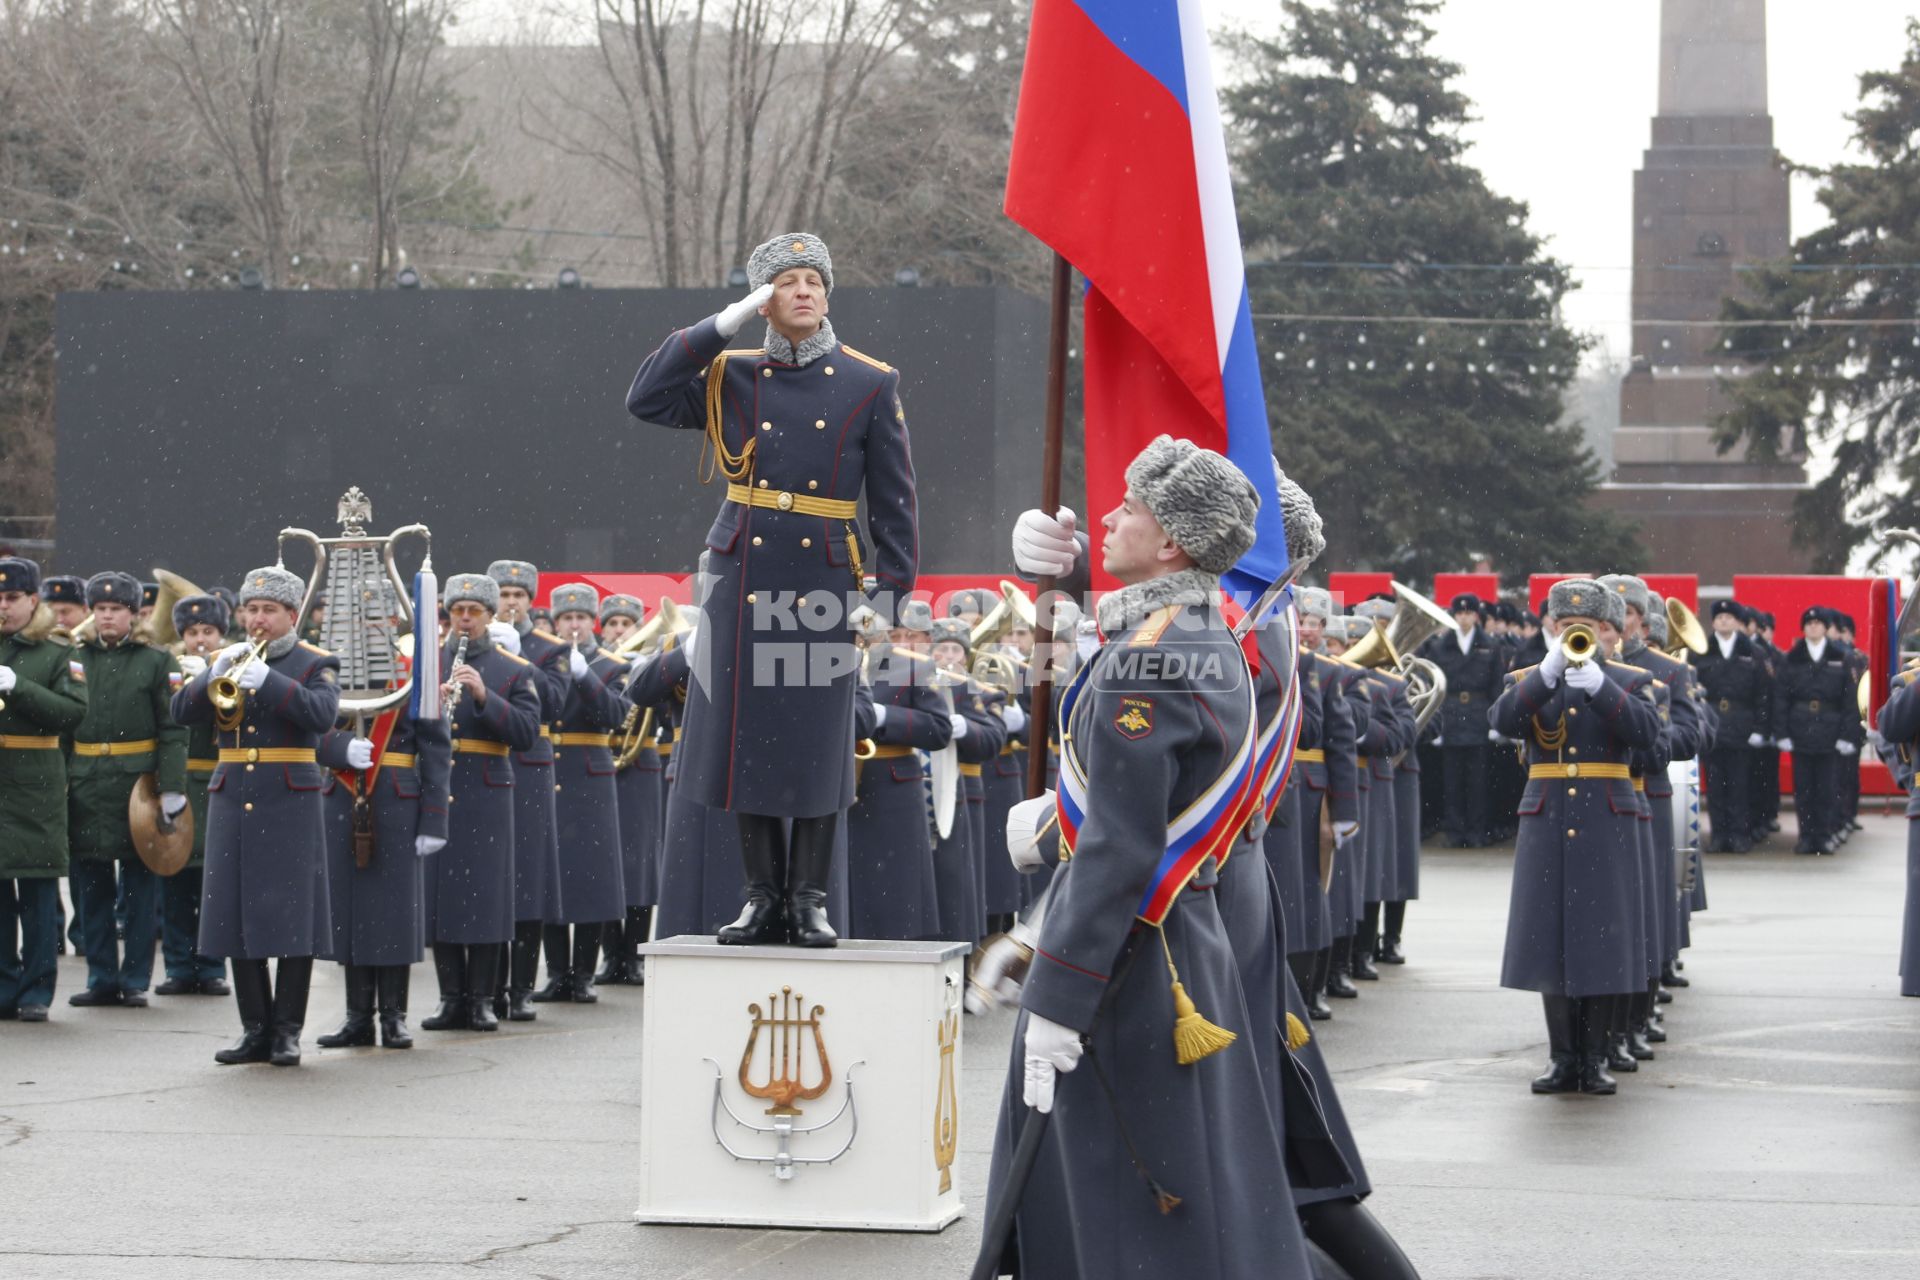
(935, 588)
(1448, 585)
(1351, 588)
(1684, 587)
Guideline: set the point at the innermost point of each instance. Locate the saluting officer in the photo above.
(593, 895)
(1176, 1099)
(127, 732)
(641, 787)
(1813, 703)
(1474, 666)
(265, 889)
(798, 427)
(1574, 922)
(1734, 680)
(201, 622)
(45, 696)
(469, 885)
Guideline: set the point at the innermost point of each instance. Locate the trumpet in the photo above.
(224, 690)
(450, 692)
(1579, 643)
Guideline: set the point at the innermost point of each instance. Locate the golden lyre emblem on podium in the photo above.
(783, 1082)
(946, 1104)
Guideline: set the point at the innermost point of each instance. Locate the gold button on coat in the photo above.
(820, 425)
(756, 540)
(1571, 833)
(766, 426)
(752, 598)
(248, 806)
(829, 371)
(806, 542)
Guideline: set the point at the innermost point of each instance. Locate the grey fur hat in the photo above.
(17, 573)
(970, 600)
(622, 606)
(1306, 536)
(475, 588)
(950, 630)
(1347, 628)
(575, 597)
(1313, 602)
(515, 573)
(1371, 609)
(211, 610)
(1585, 598)
(1203, 501)
(273, 583)
(1630, 589)
(113, 587)
(916, 615)
(789, 250)
(1657, 619)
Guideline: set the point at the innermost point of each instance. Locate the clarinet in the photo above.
(451, 697)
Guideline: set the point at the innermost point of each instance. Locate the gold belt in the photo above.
(890, 751)
(480, 747)
(1008, 750)
(21, 742)
(663, 750)
(398, 760)
(545, 732)
(1362, 761)
(1639, 784)
(583, 739)
(139, 748)
(267, 755)
(798, 503)
(1576, 770)
(1310, 755)
(969, 770)
(201, 766)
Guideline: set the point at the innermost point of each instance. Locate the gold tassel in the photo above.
(1297, 1034)
(1194, 1037)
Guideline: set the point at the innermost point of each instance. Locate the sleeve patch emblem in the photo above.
(1135, 718)
(77, 672)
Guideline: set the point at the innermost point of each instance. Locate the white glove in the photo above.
(171, 803)
(1015, 716)
(1044, 544)
(959, 723)
(1051, 1050)
(991, 986)
(1344, 831)
(879, 716)
(1554, 665)
(1786, 745)
(1024, 821)
(425, 846)
(577, 663)
(728, 322)
(252, 676)
(862, 619)
(1586, 677)
(6, 679)
(360, 753)
(1845, 748)
(1493, 735)
(230, 655)
(505, 636)
(1755, 740)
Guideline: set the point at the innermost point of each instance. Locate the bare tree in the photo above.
(400, 39)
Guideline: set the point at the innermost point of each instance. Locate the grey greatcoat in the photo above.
(986, 734)
(537, 887)
(592, 881)
(642, 788)
(468, 886)
(1278, 666)
(891, 889)
(777, 685)
(1383, 811)
(1328, 784)
(264, 889)
(1574, 919)
(1372, 734)
(376, 908)
(1686, 738)
(1204, 1129)
(1900, 727)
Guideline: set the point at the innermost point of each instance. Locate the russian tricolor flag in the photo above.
(1120, 165)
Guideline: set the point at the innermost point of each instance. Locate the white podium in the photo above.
(794, 1087)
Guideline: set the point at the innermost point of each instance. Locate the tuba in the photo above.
(1391, 644)
(1003, 671)
(1684, 629)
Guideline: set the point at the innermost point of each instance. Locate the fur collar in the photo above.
(278, 649)
(38, 627)
(1128, 607)
(809, 350)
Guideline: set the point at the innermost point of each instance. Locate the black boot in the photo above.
(554, 941)
(617, 971)
(639, 931)
(450, 967)
(586, 950)
(1355, 1240)
(1396, 919)
(1590, 1018)
(1618, 1057)
(253, 993)
(763, 859)
(1563, 1071)
(392, 981)
(1339, 983)
(1360, 963)
(1317, 1007)
(1670, 976)
(290, 988)
(357, 1030)
(807, 885)
(523, 965)
(483, 972)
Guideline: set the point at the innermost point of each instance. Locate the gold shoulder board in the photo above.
(864, 358)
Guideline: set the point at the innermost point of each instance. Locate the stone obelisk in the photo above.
(1711, 195)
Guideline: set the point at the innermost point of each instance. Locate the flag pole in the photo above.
(1040, 719)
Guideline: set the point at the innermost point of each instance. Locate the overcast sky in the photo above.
(1564, 91)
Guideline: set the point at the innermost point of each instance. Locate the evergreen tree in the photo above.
(1841, 376)
(1426, 419)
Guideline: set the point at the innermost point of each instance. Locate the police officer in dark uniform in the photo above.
(1766, 764)
(1734, 682)
(1855, 735)
(1474, 667)
(45, 696)
(265, 890)
(1814, 706)
(468, 890)
(799, 428)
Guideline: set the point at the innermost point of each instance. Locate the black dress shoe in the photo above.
(95, 998)
(450, 1016)
(1390, 952)
(1662, 996)
(214, 987)
(1656, 1034)
(1637, 1046)
(133, 999)
(1670, 977)
(1618, 1059)
(33, 1013)
(559, 987)
(1318, 1009)
(177, 987)
(1340, 988)
(253, 1045)
(1563, 1076)
(1594, 1078)
(355, 1033)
